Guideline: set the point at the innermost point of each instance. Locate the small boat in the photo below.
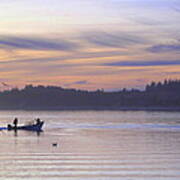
(31, 127)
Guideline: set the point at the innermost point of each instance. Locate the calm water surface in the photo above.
(98, 145)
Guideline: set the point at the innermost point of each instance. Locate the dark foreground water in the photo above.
(98, 145)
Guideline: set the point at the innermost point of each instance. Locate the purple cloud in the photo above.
(113, 39)
(81, 82)
(144, 63)
(164, 48)
(34, 43)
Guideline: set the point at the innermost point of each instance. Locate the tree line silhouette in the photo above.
(156, 95)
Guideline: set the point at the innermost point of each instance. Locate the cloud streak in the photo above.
(112, 39)
(83, 82)
(34, 43)
(144, 63)
(161, 48)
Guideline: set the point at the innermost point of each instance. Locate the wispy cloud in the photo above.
(164, 48)
(83, 82)
(35, 43)
(144, 63)
(112, 39)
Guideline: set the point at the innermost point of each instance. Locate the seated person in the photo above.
(38, 121)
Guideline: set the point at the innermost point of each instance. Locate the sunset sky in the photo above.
(89, 44)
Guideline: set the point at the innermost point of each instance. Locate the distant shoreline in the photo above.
(94, 109)
(156, 97)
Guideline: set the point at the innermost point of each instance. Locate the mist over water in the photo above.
(99, 145)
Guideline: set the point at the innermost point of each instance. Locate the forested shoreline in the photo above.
(161, 96)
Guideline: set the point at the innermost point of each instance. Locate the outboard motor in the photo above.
(9, 127)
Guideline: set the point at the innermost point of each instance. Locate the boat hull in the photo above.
(33, 127)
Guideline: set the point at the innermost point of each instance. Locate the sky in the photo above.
(82, 44)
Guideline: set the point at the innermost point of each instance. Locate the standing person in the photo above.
(15, 122)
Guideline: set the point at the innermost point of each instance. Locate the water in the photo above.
(98, 145)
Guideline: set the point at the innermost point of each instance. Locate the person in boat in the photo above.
(15, 122)
(38, 121)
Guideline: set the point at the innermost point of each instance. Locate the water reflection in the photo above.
(38, 133)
